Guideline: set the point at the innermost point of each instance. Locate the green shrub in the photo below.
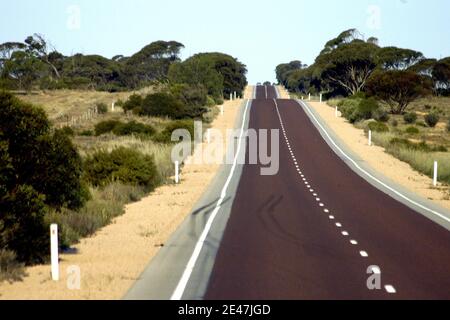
(356, 109)
(410, 117)
(381, 115)
(210, 102)
(163, 105)
(376, 126)
(39, 169)
(133, 127)
(166, 135)
(412, 130)
(432, 119)
(87, 133)
(102, 108)
(106, 127)
(68, 131)
(394, 123)
(124, 165)
(133, 102)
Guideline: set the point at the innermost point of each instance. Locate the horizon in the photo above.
(88, 27)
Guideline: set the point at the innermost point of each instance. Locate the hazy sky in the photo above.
(261, 33)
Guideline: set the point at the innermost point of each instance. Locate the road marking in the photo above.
(440, 215)
(338, 225)
(331, 217)
(354, 242)
(326, 211)
(345, 233)
(363, 254)
(390, 289)
(181, 287)
(266, 91)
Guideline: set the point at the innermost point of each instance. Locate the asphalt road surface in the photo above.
(315, 230)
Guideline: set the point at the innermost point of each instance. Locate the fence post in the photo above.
(435, 174)
(54, 251)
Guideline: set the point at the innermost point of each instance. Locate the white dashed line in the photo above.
(354, 242)
(363, 254)
(345, 233)
(390, 289)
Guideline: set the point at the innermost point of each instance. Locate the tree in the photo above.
(349, 65)
(232, 71)
(23, 68)
(398, 88)
(162, 105)
(39, 47)
(393, 58)
(345, 37)
(198, 72)
(283, 71)
(151, 63)
(40, 168)
(441, 75)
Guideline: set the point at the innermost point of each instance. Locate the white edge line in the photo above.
(367, 173)
(181, 287)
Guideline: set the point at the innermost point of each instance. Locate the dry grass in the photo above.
(74, 103)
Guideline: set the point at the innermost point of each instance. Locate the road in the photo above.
(281, 243)
(316, 229)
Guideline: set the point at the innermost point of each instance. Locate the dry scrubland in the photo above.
(74, 103)
(112, 259)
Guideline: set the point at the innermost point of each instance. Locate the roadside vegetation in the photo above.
(399, 94)
(81, 174)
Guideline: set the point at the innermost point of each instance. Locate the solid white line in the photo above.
(181, 287)
(440, 215)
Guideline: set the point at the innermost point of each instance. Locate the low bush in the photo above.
(410, 117)
(162, 105)
(394, 123)
(68, 131)
(166, 135)
(432, 119)
(356, 109)
(87, 133)
(412, 130)
(448, 125)
(102, 108)
(133, 102)
(106, 127)
(376, 126)
(10, 269)
(421, 124)
(124, 165)
(133, 127)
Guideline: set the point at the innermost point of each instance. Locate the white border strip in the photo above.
(440, 215)
(181, 287)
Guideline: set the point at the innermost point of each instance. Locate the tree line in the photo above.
(349, 64)
(35, 63)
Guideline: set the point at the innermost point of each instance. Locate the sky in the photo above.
(260, 33)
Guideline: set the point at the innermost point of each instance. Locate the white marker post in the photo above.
(435, 175)
(208, 136)
(320, 98)
(221, 110)
(113, 106)
(231, 97)
(177, 172)
(336, 113)
(303, 98)
(54, 251)
(235, 95)
(370, 138)
(309, 97)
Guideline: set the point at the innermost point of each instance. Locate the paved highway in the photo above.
(316, 230)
